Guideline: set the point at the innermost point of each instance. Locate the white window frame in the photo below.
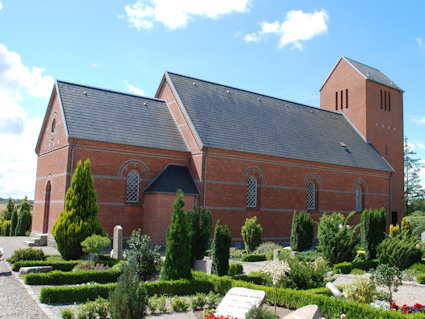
(251, 197)
(132, 189)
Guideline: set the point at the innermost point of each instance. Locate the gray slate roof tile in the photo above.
(114, 117)
(234, 119)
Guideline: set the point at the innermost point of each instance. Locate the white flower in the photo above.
(276, 270)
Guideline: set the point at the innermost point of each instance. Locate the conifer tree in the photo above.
(178, 250)
(372, 229)
(302, 231)
(199, 232)
(251, 233)
(24, 218)
(406, 227)
(79, 219)
(7, 215)
(13, 222)
(220, 250)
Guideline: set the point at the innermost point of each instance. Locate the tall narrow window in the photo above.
(132, 193)
(346, 98)
(385, 104)
(311, 196)
(359, 199)
(382, 106)
(389, 102)
(251, 198)
(336, 101)
(342, 99)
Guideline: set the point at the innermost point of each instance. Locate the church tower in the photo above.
(373, 103)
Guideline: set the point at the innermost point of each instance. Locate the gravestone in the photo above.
(203, 265)
(334, 290)
(117, 246)
(276, 253)
(306, 312)
(238, 301)
(423, 236)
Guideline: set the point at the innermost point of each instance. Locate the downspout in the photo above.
(205, 175)
(391, 198)
(72, 161)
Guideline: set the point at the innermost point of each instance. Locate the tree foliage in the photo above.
(220, 250)
(398, 251)
(337, 239)
(24, 218)
(251, 233)
(13, 222)
(7, 214)
(79, 219)
(373, 225)
(406, 227)
(302, 231)
(412, 182)
(178, 251)
(199, 231)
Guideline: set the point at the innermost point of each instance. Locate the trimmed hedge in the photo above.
(347, 267)
(235, 268)
(58, 277)
(420, 278)
(64, 265)
(254, 257)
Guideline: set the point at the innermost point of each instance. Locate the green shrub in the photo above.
(267, 247)
(24, 218)
(79, 219)
(25, 254)
(362, 290)
(5, 228)
(13, 222)
(257, 278)
(420, 267)
(199, 231)
(235, 268)
(409, 274)
(220, 250)
(94, 244)
(421, 278)
(373, 226)
(67, 313)
(147, 260)
(162, 304)
(260, 313)
(347, 267)
(388, 277)
(57, 265)
(406, 227)
(235, 253)
(178, 251)
(153, 303)
(129, 298)
(198, 301)
(398, 251)
(251, 233)
(418, 224)
(302, 231)
(358, 272)
(305, 275)
(337, 240)
(309, 255)
(394, 231)
(179, 303)
(253, 257)
(58, 277)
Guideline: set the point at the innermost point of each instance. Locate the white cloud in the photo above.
(95, 65)
(420, 42)
(420, 145)
(1, 5)
(176, 14)
(419, 120)
(297, 27)
(132, 89)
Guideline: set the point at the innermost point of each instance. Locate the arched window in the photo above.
(132, 193)
(359, 199)
(251, 198)
(311, 196)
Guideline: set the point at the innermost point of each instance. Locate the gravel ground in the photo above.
(18, 300)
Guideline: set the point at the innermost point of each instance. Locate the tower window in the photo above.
(381, 101)
(389, 102)
(346, 98)
(342, 99)
(336, 101)
(385, 95)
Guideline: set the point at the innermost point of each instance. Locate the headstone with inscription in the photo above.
(117, 246)
(238, 301)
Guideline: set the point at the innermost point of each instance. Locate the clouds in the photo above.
(1, 5)
(297, 27)
(419, 120)
(176, 14)
(420, 42)
(132, 89)
(18, 134)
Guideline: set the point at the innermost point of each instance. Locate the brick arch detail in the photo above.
(313, 178)
(134, 165)
(362, 183)
(256, 172)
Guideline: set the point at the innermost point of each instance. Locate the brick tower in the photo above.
(373, 103)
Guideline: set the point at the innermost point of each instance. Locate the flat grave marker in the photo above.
(238, 301)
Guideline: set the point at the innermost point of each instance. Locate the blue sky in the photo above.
(285, 49)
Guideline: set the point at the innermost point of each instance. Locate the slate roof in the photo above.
(108, 116)
(172, 178)
(372, 74)
(233, 119)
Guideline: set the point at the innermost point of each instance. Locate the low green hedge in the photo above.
(254, 257)
(346, 267)
(258, 280)
(420, 278)
(57, 265)
(235, 268)
(58, 277)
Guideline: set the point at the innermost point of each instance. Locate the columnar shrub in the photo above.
(373, 225)
(129, 299)
(394, 230)
(79, 219)
(178, 250)
(7, 214)
(5, 228)
(147, 260)
(220, 248)
(398, 251)
(302, 231)
(24, 218)
(13, 222)
(406, 227)
(251, 233)
(199, 231)
(337, 240)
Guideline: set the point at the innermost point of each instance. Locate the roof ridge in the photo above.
(362, 64)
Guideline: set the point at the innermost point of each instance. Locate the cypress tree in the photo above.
(13, 222)
(199, 233)
(220, 250)
(79, 219)
(7, 215)
(302, 231)
(24, 218)
(178, 250)
(373, 225)
(251, 233)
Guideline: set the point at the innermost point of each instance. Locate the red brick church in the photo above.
(238, 153)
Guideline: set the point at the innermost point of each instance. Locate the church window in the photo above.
(251, 199)
(342, 100)
(311, 196)
(336, 100)
(132, 193)
(382, 106)
(359, 199)
(346, 98)
(389, 102)
(53, 125)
